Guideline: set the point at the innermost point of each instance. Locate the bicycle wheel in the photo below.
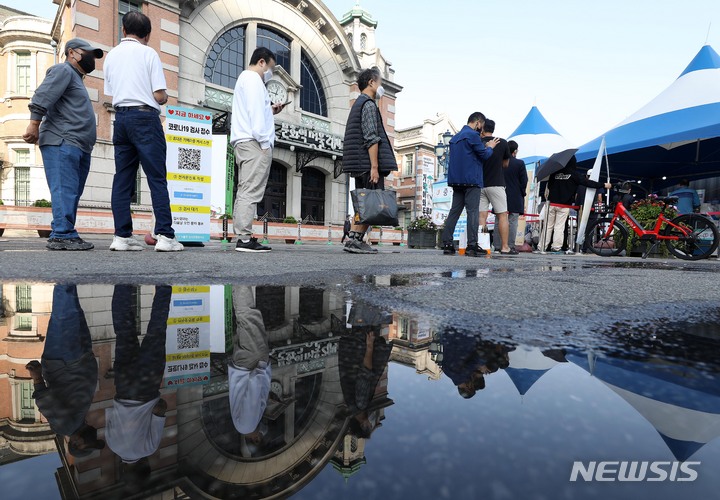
(700, 243)
(613, 245)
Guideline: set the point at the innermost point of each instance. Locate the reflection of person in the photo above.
(363, 356)
(367, 152)
(135, 421)
(467, 359)
(135, 80)
(66, 378)
(688, 198)
(67, 136)
(248, 369)
(468, 153)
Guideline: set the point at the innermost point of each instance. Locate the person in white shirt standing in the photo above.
(252, 135)
(135, 80)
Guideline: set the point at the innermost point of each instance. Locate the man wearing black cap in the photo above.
(66, 138)
(67, 375)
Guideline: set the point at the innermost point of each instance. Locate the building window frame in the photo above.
(23, 298)
(271, 38)
(125, 6)
(409, 165)
(312, 94)
(23, 72)
(22, 186)
(218, 71)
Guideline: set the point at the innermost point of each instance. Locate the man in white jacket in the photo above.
(252, 135)
(249, 372)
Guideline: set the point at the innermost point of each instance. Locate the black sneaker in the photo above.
(357, 245)
(475, 251)
(448, 249)
(72, 244)
(251, 246)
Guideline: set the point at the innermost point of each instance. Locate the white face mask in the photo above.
(267, 76)
(380, 92)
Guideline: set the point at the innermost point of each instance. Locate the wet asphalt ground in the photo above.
(507, 296)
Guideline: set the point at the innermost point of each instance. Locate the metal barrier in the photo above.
(299, 241)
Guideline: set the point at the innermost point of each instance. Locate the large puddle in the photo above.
(119, 391)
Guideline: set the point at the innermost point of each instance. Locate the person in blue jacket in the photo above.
(465, 176)
(688, 199)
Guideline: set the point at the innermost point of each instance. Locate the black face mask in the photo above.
(87, 62)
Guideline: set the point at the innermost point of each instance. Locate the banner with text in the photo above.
(188, 133)
(187, 346)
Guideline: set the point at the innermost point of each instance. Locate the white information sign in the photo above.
(188, 133)
(187, 347)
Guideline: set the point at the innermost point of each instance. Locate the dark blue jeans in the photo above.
(139, 140)
(68, 336)
(66, 170)
(139, 369)
(469, 199)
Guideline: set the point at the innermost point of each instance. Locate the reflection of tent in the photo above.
(681, 402)
(677, 134)
(527, 365)
(536, 138)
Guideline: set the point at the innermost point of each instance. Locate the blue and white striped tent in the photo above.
(536, 138)
(527, 365)
(675, 135)
(681, 402)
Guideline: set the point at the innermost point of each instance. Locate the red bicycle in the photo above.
(688, 236)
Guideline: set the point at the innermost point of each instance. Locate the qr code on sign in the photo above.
(188, 159)
(188, 338)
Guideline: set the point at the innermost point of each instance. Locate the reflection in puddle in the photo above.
(256, 392)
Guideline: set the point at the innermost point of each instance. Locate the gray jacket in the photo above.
(63, 101)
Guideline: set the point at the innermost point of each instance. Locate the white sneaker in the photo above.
(120, 244)
(165, 244)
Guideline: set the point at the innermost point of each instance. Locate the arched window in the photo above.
(226, 58)
(363, 41)
(276, 42)
(312, 95)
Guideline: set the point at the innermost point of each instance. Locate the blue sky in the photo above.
(586, 65)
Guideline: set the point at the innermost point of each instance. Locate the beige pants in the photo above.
(253, 172)
(250, 340)
(556, 219)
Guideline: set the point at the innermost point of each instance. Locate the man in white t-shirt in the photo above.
(252, 135)
(135, 422)
(135, 80)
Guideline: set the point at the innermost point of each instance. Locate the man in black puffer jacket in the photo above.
(367, 153)
(562, 188)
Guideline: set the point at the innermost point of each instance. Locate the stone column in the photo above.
(295, 194)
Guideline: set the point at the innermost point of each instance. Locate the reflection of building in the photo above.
(99, 473)
(201, 453)
(204, 46)
(24, 316)
(305, 418)
(415, 151)
(25, 55)
(411, 345)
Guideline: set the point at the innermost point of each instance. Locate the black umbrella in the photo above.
(555, 163)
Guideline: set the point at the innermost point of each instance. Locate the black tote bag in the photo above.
(375, 207)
